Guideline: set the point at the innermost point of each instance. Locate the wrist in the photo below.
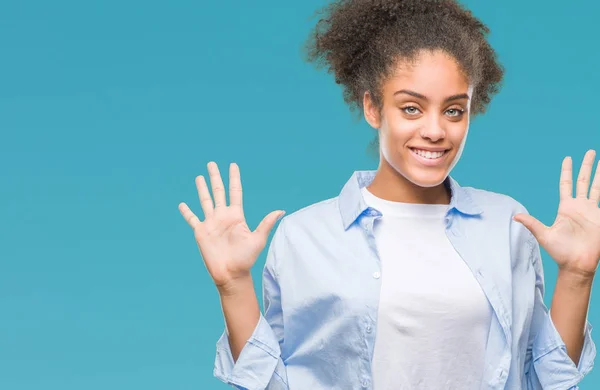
(575, 278)
(238, 286)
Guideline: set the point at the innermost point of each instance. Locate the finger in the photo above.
(205, 200)
(595, 190)
(189, 216)
(235, 186)
(216, 184)
(583, 179)
(266, 225)
(536, 228)
(566, 179)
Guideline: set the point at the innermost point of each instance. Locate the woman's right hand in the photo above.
(228, 247)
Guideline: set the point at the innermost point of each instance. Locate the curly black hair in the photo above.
(360, 42)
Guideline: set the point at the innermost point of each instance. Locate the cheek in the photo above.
(459, 136)
(399, 133)
(393, 140)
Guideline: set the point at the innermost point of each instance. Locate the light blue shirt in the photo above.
(321, 289)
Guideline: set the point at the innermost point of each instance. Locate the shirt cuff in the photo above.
(257, 362)
(554, 368)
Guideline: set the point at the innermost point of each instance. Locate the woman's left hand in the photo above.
(573, 241)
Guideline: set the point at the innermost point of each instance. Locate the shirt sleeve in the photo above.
(259, 365)
(548, 366)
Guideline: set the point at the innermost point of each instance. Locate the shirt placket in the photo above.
(462, 246)
(373, 276)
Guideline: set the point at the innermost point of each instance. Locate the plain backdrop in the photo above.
(110, 109)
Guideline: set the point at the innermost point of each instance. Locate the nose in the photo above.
(433, 130)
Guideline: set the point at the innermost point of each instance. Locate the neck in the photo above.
(391, 185)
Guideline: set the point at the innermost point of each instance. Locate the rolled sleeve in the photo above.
(259, 364)
(553, 366)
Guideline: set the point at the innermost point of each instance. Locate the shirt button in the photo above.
(376, 274)
(365, 383)
(369, 328)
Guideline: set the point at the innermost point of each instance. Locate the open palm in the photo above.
(573, 240)
(227, 245)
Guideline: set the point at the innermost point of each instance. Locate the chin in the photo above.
(427, 180)
(419, 175)
(427, 176)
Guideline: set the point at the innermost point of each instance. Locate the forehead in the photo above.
(430, 73)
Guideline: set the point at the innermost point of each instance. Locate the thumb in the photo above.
(265, 226)
(536, 228)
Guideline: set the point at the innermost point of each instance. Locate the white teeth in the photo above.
(427, 154)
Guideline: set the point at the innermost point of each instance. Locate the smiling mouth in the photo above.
(429, 155)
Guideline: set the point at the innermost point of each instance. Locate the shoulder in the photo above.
(498, 211)
(312, 221)
(494, 202)
(299, 237)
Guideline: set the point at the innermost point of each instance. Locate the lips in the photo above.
(429, 153)
(429, 149)
(428, 157)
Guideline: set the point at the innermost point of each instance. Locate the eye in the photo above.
(455, 112)
(410, 110)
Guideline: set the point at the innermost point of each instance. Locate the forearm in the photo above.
(569, 310)
(241, 312)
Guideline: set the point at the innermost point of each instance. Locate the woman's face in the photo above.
(425, 118)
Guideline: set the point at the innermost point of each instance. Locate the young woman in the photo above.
(405, 280)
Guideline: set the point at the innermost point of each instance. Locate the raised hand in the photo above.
(227, 245)
(573, 241)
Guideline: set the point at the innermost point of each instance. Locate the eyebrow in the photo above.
(418, 95)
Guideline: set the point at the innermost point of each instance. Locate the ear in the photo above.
(370, 111)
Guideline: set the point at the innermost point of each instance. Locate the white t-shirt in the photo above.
(433, 318)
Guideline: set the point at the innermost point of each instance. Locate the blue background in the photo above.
(108, 111)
